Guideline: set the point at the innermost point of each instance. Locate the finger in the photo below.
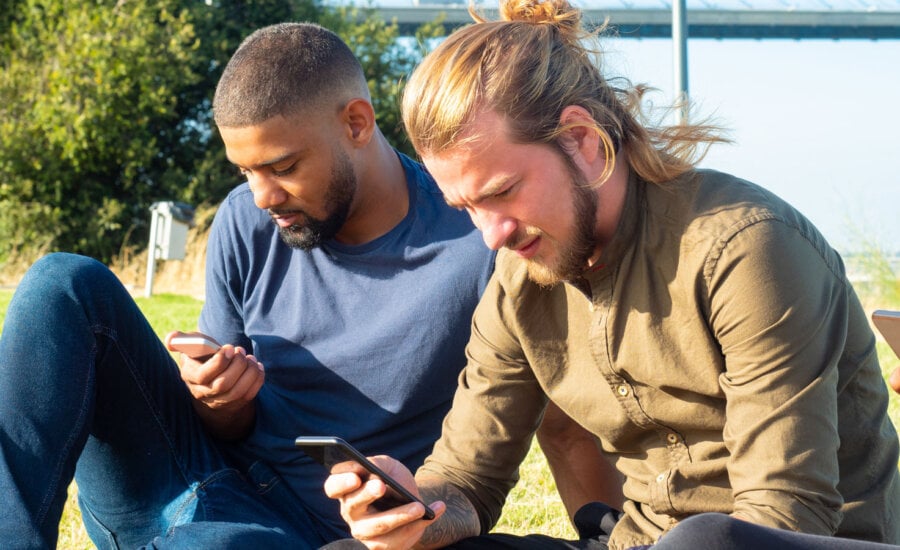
(240, 378)
(205, 373)
(168, 339)
(360, 504)
(249, 379)
(400, 527)
(338, 485)
(895, 380)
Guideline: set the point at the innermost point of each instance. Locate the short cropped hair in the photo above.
(284, 69)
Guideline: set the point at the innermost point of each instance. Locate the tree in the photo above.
(105, 108)
(87, 91)
(387, 59)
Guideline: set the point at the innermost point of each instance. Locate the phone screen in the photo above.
(330, 451)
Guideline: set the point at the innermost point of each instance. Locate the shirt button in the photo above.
(672, 439)
(660, 478)
(622, 390)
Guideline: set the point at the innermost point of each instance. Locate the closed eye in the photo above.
(285, 172)
(505, 191)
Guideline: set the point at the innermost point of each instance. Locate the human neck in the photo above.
(382, 199)
(610, 204)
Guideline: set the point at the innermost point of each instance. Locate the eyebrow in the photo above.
(490, 189)
(264, 164)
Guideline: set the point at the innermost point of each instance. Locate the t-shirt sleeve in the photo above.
(221, 315)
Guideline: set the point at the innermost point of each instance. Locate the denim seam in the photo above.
(141, 385)
(69, 444)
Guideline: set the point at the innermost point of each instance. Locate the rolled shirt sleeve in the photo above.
(496, 410)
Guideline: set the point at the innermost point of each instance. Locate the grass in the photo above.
(533, 505)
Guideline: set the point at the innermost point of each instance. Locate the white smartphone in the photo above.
(195, 347)
(329, 451)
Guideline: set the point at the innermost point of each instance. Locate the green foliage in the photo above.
(386, 58)
(27, 226)
(105, 108)
(86, 92)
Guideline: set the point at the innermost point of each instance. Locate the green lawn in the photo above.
(532, 507)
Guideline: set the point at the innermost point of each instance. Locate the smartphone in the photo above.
(329, 451)
(888, 324)
(195, 347)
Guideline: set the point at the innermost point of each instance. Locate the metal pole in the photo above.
(679, 43)
(151, 252)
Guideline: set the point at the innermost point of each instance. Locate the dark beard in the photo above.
(338, 198)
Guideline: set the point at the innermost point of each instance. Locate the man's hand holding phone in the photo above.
(223, 381)
(358, 491)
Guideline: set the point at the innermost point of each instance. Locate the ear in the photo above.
(580, 138)
(358, 116)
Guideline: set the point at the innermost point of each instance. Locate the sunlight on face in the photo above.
(527, 197)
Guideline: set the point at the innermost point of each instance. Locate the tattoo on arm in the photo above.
(458, 522)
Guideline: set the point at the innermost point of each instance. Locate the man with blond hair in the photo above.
(698, 325)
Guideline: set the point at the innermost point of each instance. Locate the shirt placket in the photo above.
(676, 449)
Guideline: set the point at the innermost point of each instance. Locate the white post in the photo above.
(151, 251)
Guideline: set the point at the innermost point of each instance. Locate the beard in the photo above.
(338, 198)
(573, 255)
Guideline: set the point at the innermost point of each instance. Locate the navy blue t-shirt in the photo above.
(362, 342)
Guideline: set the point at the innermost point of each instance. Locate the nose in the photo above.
(496, 228)
(266, 192)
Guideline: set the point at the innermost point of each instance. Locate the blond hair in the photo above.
(527, 67)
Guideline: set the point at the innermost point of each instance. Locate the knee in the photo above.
(710, 522)
(58, 280)
(64, 265)
(709, 530)
(61, 268)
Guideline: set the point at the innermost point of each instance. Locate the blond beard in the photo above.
(573, 258)
(563, 269)
(541, 274)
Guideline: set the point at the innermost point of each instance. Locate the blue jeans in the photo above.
(88, 390)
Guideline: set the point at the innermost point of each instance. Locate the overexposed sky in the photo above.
(815, 121)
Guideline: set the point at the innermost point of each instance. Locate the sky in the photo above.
(815, 121)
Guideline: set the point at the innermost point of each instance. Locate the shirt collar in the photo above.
(626, 230)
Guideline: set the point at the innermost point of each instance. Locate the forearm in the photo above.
(581, 472)
(227, 424)
(458, 522)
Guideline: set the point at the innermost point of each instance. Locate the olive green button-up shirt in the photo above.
(717, 351)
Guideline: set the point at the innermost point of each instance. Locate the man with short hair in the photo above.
(338, 266)
(697, 324)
